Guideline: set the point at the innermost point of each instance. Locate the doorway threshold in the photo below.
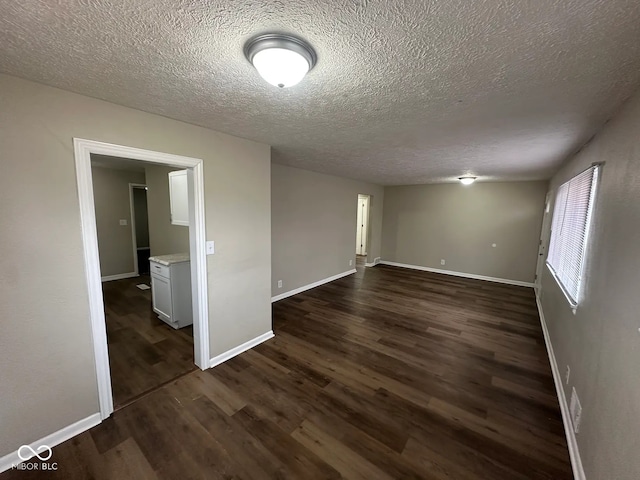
(152, 389)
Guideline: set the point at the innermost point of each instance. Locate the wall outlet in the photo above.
(211, 247)
(279, 283)
(576, 410)
(123, 222)
(442, 261)
(567, 374)
(350, 263)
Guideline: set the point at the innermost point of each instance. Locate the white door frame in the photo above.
(83, 150)
(134, 237)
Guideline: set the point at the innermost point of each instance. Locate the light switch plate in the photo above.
(211, 248)
(123, 222)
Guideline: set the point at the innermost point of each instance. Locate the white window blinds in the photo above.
(569, 230)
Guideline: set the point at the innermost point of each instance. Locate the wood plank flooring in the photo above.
(385, 374)
(144, 352)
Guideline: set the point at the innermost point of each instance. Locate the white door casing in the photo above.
(82, 151)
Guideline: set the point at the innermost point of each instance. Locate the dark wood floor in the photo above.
(386, 374)
(144, 352)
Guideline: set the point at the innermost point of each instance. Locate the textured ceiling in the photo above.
(404, 92)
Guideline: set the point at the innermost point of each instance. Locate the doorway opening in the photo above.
(362, 229)
(153, 345)
(148, 346)
(140, 227)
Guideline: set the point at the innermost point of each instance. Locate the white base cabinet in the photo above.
(171, 290)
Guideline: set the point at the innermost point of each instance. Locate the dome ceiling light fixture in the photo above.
(467, 180)
(282, 60)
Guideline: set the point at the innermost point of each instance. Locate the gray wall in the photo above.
(426, 223)
(111, 198)
(601, 342)
(314, 225)
(46, 354)
(164, 238)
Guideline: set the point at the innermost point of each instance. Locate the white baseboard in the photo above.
(375, 262)
(56, 438)
(574, 452)
(461, 274)
(311, 285)
(223, 357)
(119, 276)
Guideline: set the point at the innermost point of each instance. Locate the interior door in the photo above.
(544, 240)
(362, 219)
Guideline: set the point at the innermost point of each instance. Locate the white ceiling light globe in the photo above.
(281, 67)
(282, 60)
(467, 180)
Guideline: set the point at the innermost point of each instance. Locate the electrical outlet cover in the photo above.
(576, 410)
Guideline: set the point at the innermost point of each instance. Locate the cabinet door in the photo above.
(161, 294)
(179, 198)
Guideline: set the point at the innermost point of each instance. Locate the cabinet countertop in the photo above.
(171, 258)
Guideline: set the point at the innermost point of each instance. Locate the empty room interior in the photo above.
(320, 240)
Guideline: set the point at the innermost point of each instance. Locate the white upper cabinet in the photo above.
(179, 198)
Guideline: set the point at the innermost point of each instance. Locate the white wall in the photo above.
(46, 354)
(601, 341)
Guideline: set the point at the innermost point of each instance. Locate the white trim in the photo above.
(119, 276)
(460, 274)
(369, 264)
(574, 452)
(311, 285)
(82, 151)
(54, 439)
(572, 304)
(223, 357)
(199, 279)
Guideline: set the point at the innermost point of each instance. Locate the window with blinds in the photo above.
(569, 231)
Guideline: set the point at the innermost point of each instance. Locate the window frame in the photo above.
(596, 172)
